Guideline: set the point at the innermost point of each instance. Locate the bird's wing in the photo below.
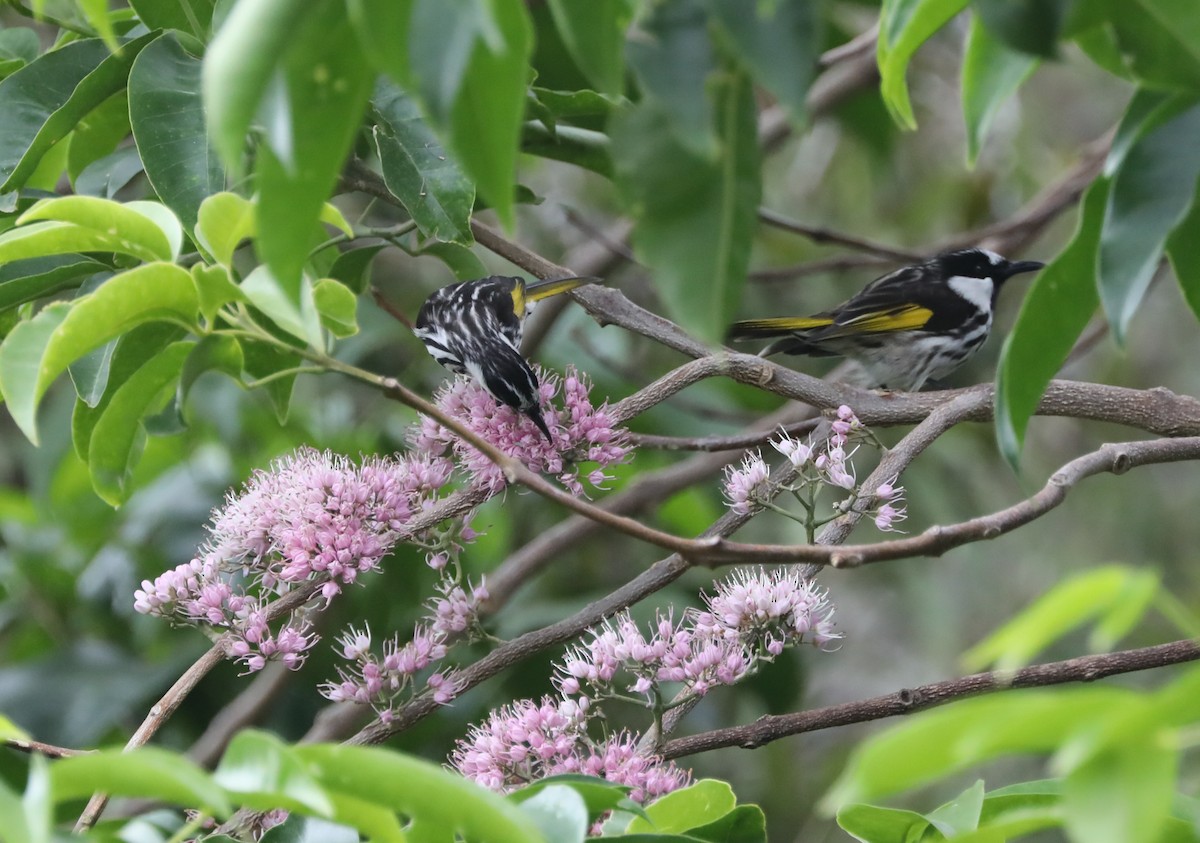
(754, 328)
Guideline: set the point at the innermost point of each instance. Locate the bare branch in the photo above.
(818, 234)
(911, 700)
(47, 749)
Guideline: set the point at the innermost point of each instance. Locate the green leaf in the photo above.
(599, 795)
(1127, 612)
(581, 147)
(265, 292)
(119, 434)
(744, 824)
(109, 174)
(465, 264)
(34, 278)
(312, 116)
(904, 25)
(146, 773)
(301, 829)
(46, 99)
(126, 356)
(264, 773)
(1152, 191)
(1123, 793)
(1160, 41)
(37, 351)
(695, 217)
(699, 804)
(267, 361)
(1030, 26)
(128, 226)
(955, 737)
(1183, 250)
(240, 64)
(960, 814)
(36, 810)
(778, 43)
(382, 28)
(559, 812)
(353, 267)
(991, 73)
(223, 221)
(167, 115)
(191, 16)
(594, 35)
(418, 171)
(1068, 605)
(215, 289)
(469, 64)
(876, 824)
(338, 305)
(97, 134)
(216, 352)
(1057, 307)
(421, 790)
(675, 63)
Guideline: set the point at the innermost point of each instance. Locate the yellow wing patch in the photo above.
(545, 289)
(518, 297)
(779, 325)
(901, 319)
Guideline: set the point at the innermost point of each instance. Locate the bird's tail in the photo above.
(539, 290)
(786, 328)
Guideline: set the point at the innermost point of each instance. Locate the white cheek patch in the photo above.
(978, 291)
(992, 256)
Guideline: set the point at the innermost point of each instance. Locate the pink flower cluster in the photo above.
(312, 515)
(581, 432)
(379, 682)
(747, 486)
(529, 740)
(752, 618)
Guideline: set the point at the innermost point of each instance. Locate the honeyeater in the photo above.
(474, 328)
(909, 327)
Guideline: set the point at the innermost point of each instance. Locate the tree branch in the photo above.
(911, 700)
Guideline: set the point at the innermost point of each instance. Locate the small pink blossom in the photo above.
(744, 484)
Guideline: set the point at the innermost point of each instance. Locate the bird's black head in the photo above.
(980, 263)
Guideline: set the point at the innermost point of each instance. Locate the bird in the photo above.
(474, 328)
(907, 328)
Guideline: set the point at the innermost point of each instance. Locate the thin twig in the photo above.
(911, 700)
(818, 234)
(47, 749)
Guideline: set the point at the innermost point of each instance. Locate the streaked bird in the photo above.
(474, 328)
(909, 327)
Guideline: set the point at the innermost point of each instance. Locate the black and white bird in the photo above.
(474, 328)
(907, 328)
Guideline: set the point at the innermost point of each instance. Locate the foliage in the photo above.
(194, 198)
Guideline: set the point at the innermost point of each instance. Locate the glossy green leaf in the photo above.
(418, 171)
(469, 65)
(1159, 41)
(34, 278)
(778, 43)
(464, 263)
(991, 73)
(11, 731)
(214, 353)
(264, 773)
(744, 824)
(559, 812)
(119, 435)
(312, 116)
(241, 63)
(215, 288)
(109, 174)
(1056, 309)
(960, 814)
(127, 356)
(1152, 191)
(581, 147)
(599, 795)
(191, 16)
(164, 218)
(37, 351)
(582, 106)
(1183, 250)
(1070, 604)
(421, 790)
(46, 99)
(35, 813)
(353, 267)
(955, 737)
(876, 824)
(128, 226)
(1127, 613)
(331, 215)
(338, 306)
(675, 62)
(95, 12)
(904, 25)
(594, 35)
(19, 43)
(1032, 27)
(146, 772)
(302, 321)
(695, 217)
(98, 133)
(301, 829)
(167, 115)
(223, 221)
(698, 804)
